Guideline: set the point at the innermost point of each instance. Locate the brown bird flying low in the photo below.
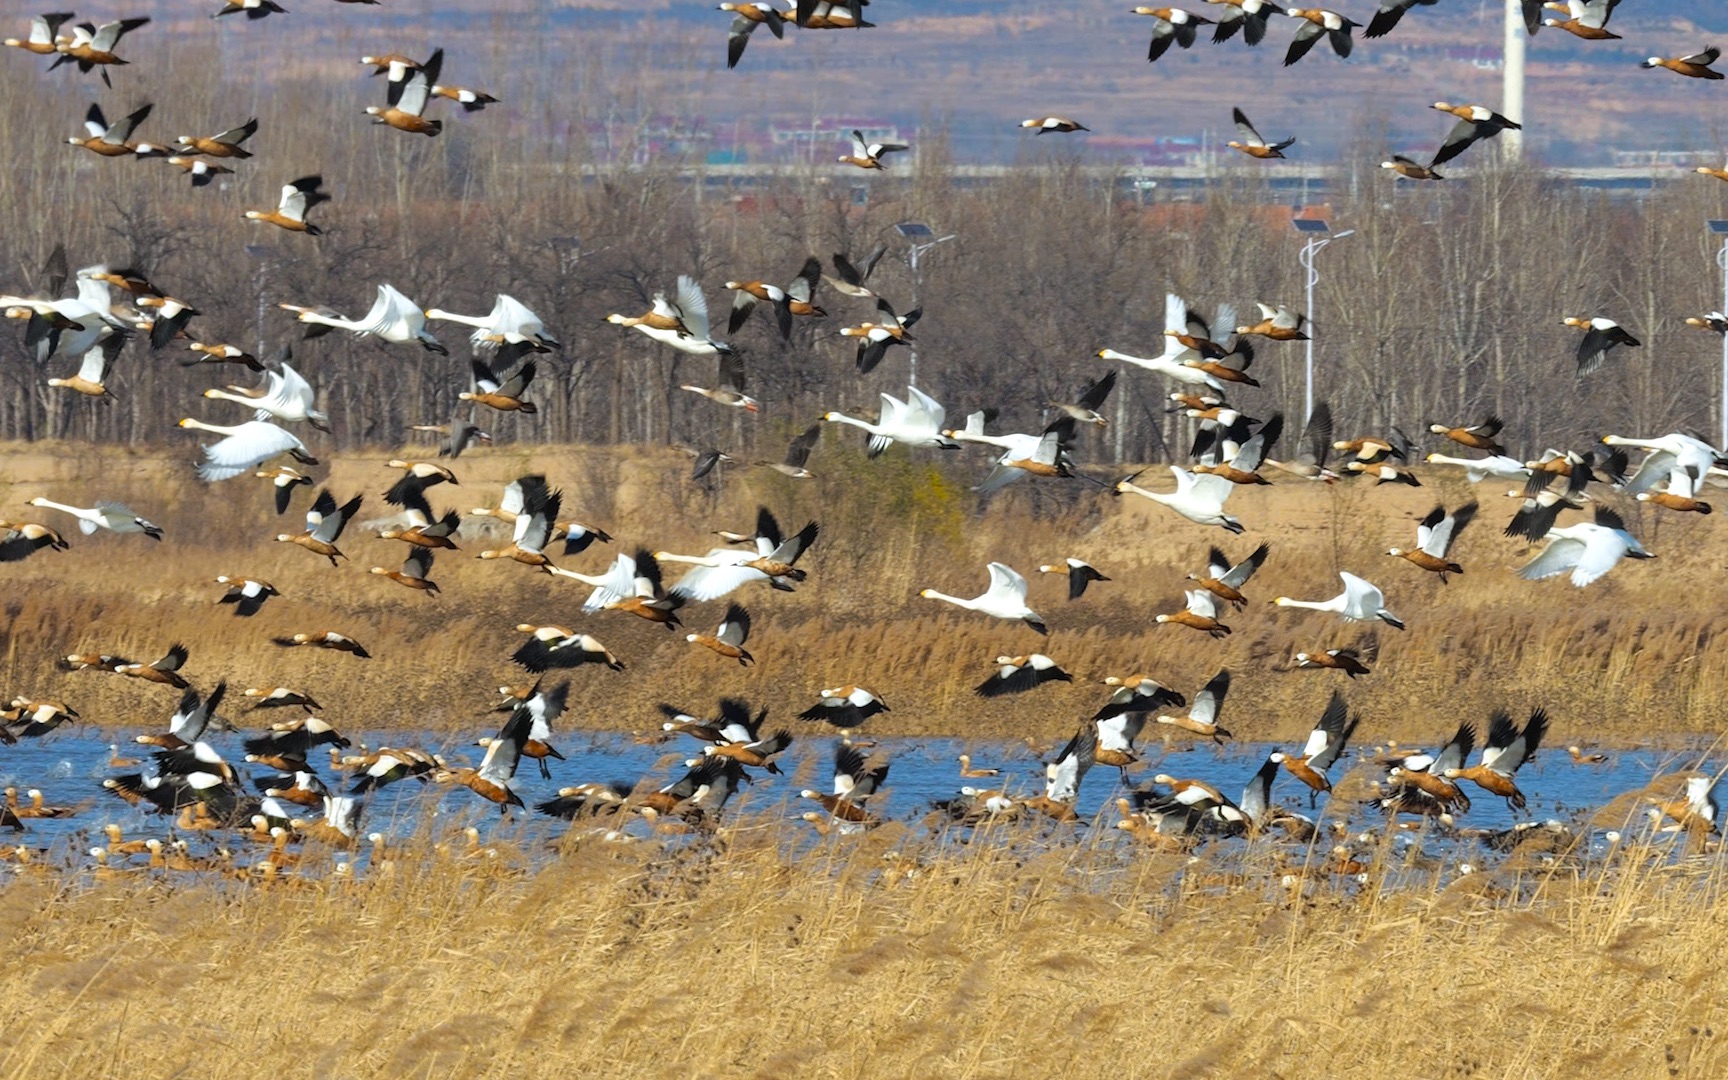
(44, 39)
(1053, 123)
(1696, 66)
(252, 9)
(470, 100)
(1587, 19)
(728, 640)
(406, 100)
(92, 46)
(1411, 169)
(1508, 747)
(225, 144)
(199, 171)
(1170, 26)
(1600, 335)
(324, 525)
(1475, 123)
(746, 17)
(326, 639)
(298, 196)
(1318, 23)
(868, 155)
(1251, 143)
(115, 140)
(1479, 437)
(413, 574)
(1435, 535)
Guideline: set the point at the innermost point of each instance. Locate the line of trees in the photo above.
(1444, 305)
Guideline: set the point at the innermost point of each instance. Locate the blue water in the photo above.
(69, 765)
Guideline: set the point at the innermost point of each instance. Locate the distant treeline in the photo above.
(1444, 305)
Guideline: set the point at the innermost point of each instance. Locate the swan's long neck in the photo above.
(693, 560)
(1004, 441)
(559, 571)
(62, 506)
(226, 396)
(1312, 605)
(665, 337)
(481, 321)
(1615, 440)
(330, 320)
(842, 418)
(219, 429)
(932, 594)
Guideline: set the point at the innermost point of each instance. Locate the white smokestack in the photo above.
(1512, 74)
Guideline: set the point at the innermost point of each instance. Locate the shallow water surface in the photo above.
(69, 766)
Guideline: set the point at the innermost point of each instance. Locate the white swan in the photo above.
(1005, 598)
(1359, 602)
(1200, 499)
(917, 421)
(113, 516)
(1169, 363)
(1476, 470)
(1668, 454)
(83, 320)
(286, 396)
(619, 584)
(245, 447)
(394, 318)
(1588, 549)
(509, 323)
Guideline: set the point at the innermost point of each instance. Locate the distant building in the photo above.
(1666, 159)
(1155, 150)
(826, 139)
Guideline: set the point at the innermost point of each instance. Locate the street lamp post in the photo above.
(1719, 227)
(1319, 234)
(922, 238)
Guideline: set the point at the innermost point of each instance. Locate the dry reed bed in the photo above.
(881, 955)
(1625, 661)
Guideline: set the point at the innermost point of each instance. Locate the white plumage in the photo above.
(245, 447)
(1588, 549)
(917, 421)
(1005, 598)
(1359, 602)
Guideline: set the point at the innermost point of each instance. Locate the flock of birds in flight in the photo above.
(192, 779)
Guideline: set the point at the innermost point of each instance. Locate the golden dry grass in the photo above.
(887, 955)
(1625, 661)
